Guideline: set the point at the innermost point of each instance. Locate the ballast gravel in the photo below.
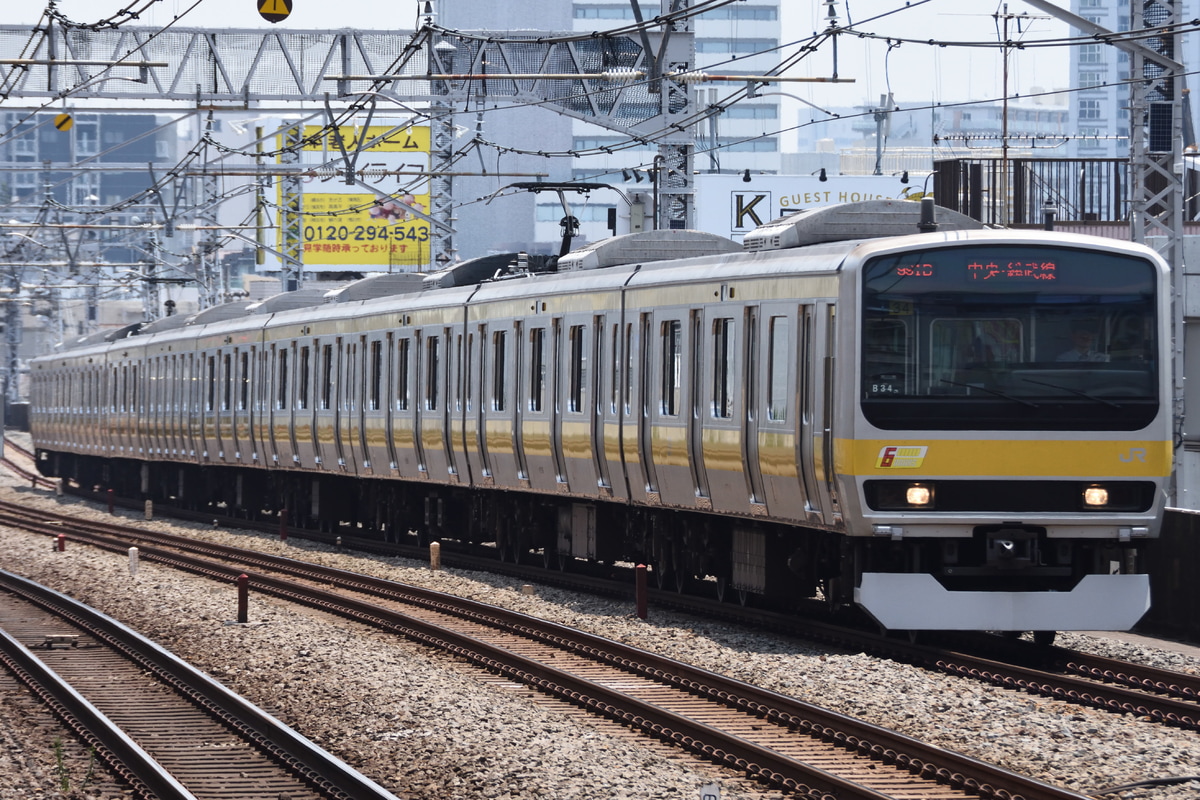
(426, 727)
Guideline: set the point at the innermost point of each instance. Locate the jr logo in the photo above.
(1135, 454)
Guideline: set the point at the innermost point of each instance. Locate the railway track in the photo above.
(778, 740)
(1163, 696)
(24, 465)
(166, 729)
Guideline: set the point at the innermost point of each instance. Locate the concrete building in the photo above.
(736, 39)
(1100, 114)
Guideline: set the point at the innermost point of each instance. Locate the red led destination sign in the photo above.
(999, 272)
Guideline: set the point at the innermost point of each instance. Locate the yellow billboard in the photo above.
(352, 228)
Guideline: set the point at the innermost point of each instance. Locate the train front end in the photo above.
(1008, 450)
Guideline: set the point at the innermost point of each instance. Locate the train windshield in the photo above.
(1009, 337)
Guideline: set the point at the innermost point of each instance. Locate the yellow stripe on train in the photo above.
(1004, 457)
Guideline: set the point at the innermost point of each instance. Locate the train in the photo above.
(883, 405)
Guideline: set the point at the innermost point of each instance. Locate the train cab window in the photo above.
(578, 369)
(376, 376)
(303, 366)
(499, 389)
(777, 369)
(326, 377)
(724, 364)
(1010, 337)
(432, 367)
(402, 390)
(537, 368)
(672, 344)
(281, 394)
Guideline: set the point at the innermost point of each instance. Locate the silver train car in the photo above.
(951, 427)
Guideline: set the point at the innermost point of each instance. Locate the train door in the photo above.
(421, 400)
(785, 341)
(604, 447)
(258, 400)
(370, 397)
(667, 406)
(695, 412)
(556, 377)
(304, 427)
(224, 412)
(404, 438)
(348, 393)
(614, 411)
(750, 419)
(816, 430)
(324, 415)
(474, 443)
(519, 400)
(579, 446)
(241, 404)
(337, 388)
(535, 397)
(389, 407)
(720, 406)
(454, 403)
(633, 401)
(433, 387)
(208, 431)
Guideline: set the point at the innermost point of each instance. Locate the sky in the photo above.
(914, 72)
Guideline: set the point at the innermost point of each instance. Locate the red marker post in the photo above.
(639, 589)
(243, 589)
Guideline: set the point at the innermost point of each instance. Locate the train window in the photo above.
(226, 381)
(125, 387)
(210, 393)
(578, 374)
(671, 351)
(244, 381)
(724, 364)
(537, 368)
(615, 378)
(432, 346)
(327, 377)
(458, 372)
(468, 377)
(777, 369)
(499, 389)
(376, 375)
(302, 370)
(627, 387)
(281, 395)
(402, 376)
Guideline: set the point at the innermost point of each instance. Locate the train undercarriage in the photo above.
(747, 561)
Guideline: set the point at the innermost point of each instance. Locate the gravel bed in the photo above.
(426, 727)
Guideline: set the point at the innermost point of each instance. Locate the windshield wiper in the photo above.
(1080, 393)
(996, 392)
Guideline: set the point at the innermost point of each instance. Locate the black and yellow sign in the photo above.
(63, 122)
(274, 10)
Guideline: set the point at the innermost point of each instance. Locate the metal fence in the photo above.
(1016, 191)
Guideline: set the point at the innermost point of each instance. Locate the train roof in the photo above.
(873, 219)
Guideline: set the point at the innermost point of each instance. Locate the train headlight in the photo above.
(1095, 497)
(919, 495)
